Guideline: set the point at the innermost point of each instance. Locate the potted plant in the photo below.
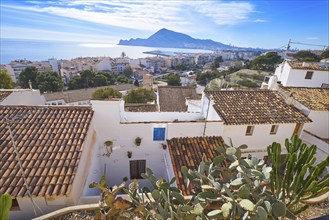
(138, 141)
(108, 143)
(129, 154)
(133, 186)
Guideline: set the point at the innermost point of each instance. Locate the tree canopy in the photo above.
(305, 55)
(28, 74)
(128, 71)
(6, 82)
(49, 82)
(215, 64)
(325, 54)
(106, 93)
(122, 79)
(266, 62)
(140, 95)
(88, 78)
(173, 79)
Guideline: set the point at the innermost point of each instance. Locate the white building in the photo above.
(313, 102)
(54, 145)
(54, 65)
(303, 74)
(21, 97)
(255, 118)
(104, 65)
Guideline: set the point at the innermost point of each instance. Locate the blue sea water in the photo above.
(38, 50)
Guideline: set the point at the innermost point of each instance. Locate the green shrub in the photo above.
(106, 93)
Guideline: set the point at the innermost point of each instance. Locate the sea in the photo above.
(40, 50)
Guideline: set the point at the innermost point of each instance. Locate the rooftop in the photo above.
(81, 94)
(255, 107)
(4, 94)
(313, 98)
(50, 144)
(309, 66)
(173, 98)
(136, 107)
(189, 151)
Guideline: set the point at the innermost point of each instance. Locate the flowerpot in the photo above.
(129, 154)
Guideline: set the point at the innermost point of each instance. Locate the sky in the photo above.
(261, 24)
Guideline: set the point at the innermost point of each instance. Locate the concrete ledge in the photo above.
(67, 210)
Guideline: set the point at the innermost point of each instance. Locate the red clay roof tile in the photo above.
(43, 154)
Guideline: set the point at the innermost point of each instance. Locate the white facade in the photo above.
(319, 125)
(23, 97)
(259, 140)
(54, 65)
(104, 65)
(111, 123)
(296, 77)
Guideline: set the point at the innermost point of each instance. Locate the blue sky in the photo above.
(265, 24)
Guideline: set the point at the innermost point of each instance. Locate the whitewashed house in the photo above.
(53, 145)
(303, 74)
(21, 97)
(256, 118)
(313, 102)
(122, 123)
(104, 65)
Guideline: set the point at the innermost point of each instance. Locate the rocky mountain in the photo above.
(172, 39)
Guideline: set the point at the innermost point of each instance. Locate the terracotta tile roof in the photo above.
(49, 141)
(314, 98)
(255, 107)
(132, 107)
(81, 94)
(308, 66)
(173, 98)
(4, 94)
(189, 151)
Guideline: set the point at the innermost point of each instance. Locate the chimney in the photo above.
(305, 64)
(30, 85)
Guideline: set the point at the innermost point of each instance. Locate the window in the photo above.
(159, 134)
(309, 75)
(137, 167)
(250, 130)
(15, 206)
(274, 129)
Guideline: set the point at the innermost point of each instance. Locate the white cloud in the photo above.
(260, 20)
(31, 33)
(225, 13)
(145, 15)
(312, 38)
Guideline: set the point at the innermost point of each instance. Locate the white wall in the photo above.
(80, 179)
(296, 77)
(24, 97)
(195, 129)
(104, 65)
(320, 124)
(122, 134)
(260, 138)
(26, 208)
(322, 147)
